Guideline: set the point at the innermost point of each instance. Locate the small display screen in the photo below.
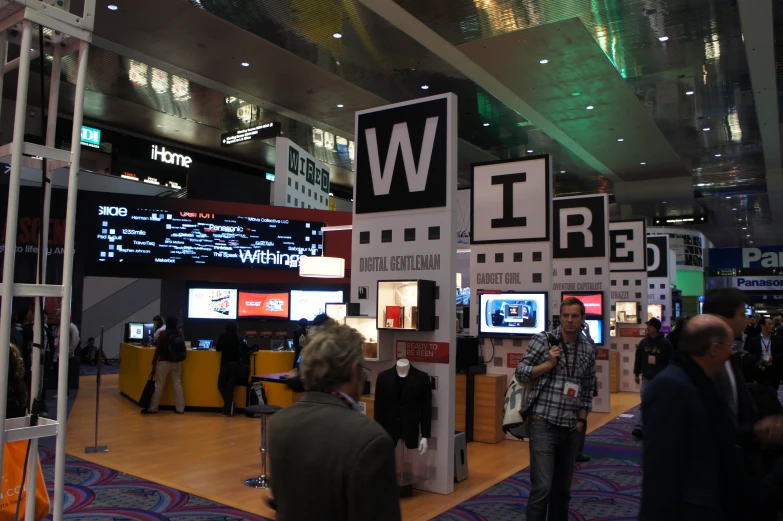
(654, 311)
(512, 314)
(135, 331)
(627, 312)
(596, 328)
(263, 305)
(310, 304)
(212, 303)
(594, 302)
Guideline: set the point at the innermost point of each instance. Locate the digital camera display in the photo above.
(512, 314)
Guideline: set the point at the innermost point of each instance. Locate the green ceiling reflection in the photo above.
(606, 35)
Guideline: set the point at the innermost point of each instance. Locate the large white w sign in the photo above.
(417, 177)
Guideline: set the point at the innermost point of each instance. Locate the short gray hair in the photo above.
(697, 338)
(328, 357)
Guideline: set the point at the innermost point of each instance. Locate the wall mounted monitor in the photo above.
(512, 314)
(627, 312)
(309, 304)
(135, 235)
(212, 303)
(596, 327)
(263, 304)
(463, 296)
(655, 311)
(593, 301)
(749, 311)
(149, 330)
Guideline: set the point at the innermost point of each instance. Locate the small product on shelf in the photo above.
(406, 304)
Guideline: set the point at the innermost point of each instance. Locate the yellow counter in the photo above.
(200, 372)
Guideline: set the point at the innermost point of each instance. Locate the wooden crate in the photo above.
(488, 395)
(461, 401)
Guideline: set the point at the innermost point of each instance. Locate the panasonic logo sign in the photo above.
(753, 257)
(758, 282)
(170, 158)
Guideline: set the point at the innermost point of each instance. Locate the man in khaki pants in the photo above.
(163, 368)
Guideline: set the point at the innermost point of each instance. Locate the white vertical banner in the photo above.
(510, 257)
(581, 269)
(301, 181)
(628, 255)
(404, 229)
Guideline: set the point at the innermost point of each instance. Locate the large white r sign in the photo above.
(583, 228)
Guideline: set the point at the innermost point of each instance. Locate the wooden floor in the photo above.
(209, 455)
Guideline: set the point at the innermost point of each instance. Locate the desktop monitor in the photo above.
(134, 331)
(149, 330)
(512, 314)
(310, 304)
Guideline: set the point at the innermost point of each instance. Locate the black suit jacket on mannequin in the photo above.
(403, 417)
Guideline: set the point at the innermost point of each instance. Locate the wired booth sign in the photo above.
(403, 262)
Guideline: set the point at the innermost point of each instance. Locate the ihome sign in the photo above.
(170, 158)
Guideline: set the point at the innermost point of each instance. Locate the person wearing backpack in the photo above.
(170, 351)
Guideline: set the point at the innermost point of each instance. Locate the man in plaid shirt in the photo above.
(563, 376)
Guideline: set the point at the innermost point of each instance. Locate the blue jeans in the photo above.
(552, 458)
(644, 385)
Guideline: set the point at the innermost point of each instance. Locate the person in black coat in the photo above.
(230, 346)
(692, 465)
(674, 336)
(767, 348)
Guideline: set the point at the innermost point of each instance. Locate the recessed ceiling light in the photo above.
(689, 93)
(744, 228)
(590, 107)
(706, 129)
(750, 242)
(112, 7)
(337, 35)
(702, 184)
(425, 87)
(620, 140)
(340, 105)
(331, 194)
(575, 94)
(543, 62)
(728, 197)
(486, 124)
(663, 38)
(733, 209)
(717, 155)
(664, 202)
(562, 171)
(642, 163)
(529, 151)
(245, 64)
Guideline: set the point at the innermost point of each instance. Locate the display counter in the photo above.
(200, 372)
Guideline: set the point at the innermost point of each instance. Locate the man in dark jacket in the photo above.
(329, 461)
(692, 466)
(229, 345)
(767, 348)
(652, 355)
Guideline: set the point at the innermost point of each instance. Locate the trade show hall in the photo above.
(378, 260)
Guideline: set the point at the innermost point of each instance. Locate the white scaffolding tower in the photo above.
(68, 32)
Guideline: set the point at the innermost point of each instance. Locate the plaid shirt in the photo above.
(548, 388)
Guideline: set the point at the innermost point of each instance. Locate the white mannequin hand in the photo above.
(423, 446)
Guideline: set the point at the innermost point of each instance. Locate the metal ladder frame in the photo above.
(65, 27)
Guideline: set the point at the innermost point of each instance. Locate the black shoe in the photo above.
(147, 411)
(582, 458)
(638, 433)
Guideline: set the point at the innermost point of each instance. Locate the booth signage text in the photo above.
(755, 258)
(627, 246)
(577, 286)
(265, 131)
(601, 354)
(426, 262)
(513, 359)
(579, 227)
(90, 137)
(658, 256)
(499, 278)
(434, 352)
(170, 158)
(620, 295)
(757, 282)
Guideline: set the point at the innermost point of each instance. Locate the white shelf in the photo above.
(17, 429)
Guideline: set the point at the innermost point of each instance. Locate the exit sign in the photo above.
(91, 137)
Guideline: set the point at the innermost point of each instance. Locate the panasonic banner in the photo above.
(404, 241)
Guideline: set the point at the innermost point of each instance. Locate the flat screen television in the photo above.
(627, 312)
(212, 303)
(134, 331)
(263, 304)
(655, 311)
(596, 327)
(311, 303)
(593, 301)
(512, 314)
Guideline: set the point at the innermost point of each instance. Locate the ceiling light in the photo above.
(702, 184)
(744, 228)
(733, 209)
(590, 107)
(663, 38)
(642, 163)
(340, 105)
(245, 64)
(112, 7)
(728, 197)
(750, 242)
(707, 129)
(486, 124)
(331, 194)
(575, 94)
(664, 202)
(337, 35)
(543, 62)
(562, 171)
(689, 93)
(717, 155)
(621, 140)
(425, 87)
(529, 151)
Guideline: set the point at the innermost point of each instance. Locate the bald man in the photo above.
(692, 466)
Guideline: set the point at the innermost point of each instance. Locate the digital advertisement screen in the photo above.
(135, 331)
(654, 311)
(262, 305)
(153, 236)
(593, 301)
(512, 314)
(596, 330)
(212, 303)
(310, 304)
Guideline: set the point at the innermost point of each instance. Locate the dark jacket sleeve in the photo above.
(753, 346)
(668, 349)
(637, 365)
(426, 407)
(666, 431)
(372, 488)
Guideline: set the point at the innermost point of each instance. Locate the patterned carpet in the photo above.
(97, 493)
(607, 488)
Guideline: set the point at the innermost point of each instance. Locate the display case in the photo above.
(406, 305)
(627, 312)
(338, 312)
(367, 327)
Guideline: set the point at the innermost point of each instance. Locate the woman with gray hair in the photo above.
(331, 462)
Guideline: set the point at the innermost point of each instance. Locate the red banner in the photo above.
(488, 292)
(265, 333)
(513, 359)
(601, 354)
(433, 352)
(251, 332)
(631, 332)
(281, 333)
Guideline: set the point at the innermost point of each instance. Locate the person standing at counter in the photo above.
(169, 352)
(157, 326)
(230, 346)
(299, 340)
